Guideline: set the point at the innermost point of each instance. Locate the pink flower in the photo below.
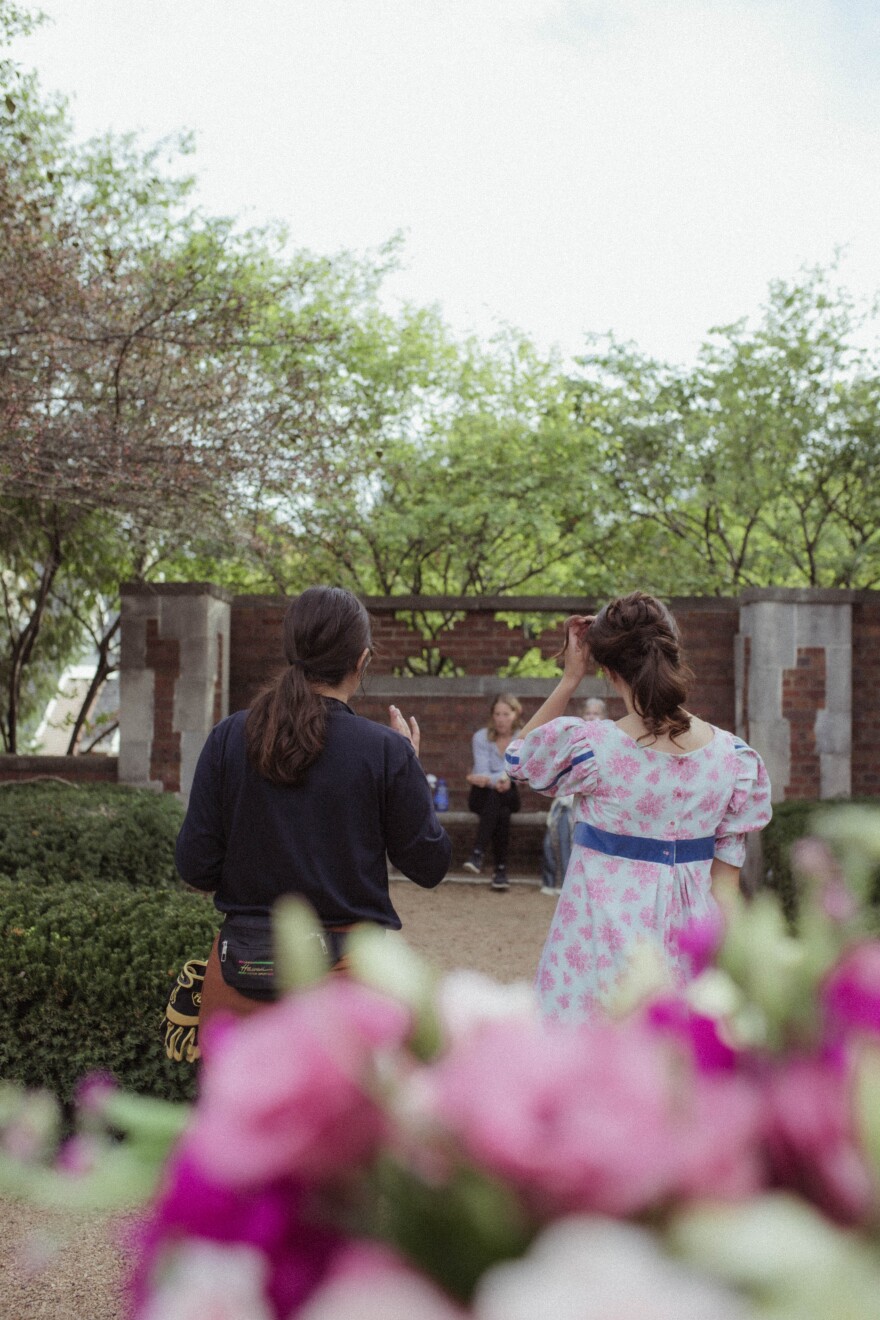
(611, 937)
(852, 992)
(630, 895)
(576, 958)
(811, 1139)
(546, 979)
(595, 1117)
(567, 911)
(598, 890)
(623, 767)
(288, 1091)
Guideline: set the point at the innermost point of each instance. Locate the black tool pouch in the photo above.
(247, 955)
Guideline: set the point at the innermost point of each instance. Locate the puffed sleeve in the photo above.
(748, 809)
(554, 759)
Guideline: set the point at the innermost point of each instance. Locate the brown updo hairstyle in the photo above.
(325, 631)
(637, 638)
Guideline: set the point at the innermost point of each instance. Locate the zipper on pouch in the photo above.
(223, 948)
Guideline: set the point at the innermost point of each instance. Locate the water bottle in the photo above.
(441, 796)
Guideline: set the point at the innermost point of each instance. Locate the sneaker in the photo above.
(550, 889)
(474, 863)
(500, 880)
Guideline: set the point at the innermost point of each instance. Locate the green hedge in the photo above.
(92, 833)
(85, 971)
(791, 821)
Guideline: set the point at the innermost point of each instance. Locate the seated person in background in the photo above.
(493, 797)
(560, 820)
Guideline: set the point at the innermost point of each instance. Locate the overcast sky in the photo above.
(641, 166)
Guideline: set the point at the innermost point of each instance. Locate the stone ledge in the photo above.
(176, 589)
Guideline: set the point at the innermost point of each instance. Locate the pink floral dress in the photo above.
(647, 826)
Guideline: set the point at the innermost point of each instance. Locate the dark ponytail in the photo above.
(636, 637)
(326, 630)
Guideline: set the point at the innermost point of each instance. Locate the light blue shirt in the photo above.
(487, 758)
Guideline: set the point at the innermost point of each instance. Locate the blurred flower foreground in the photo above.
(391, 1145)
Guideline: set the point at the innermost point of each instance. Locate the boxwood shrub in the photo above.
(791, 821)
(85, 972)
(94, 832)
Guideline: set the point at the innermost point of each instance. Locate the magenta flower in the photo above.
(672, 1016)
(270, 1218)
(289, 1092)
(811, 1139)
(851, 995)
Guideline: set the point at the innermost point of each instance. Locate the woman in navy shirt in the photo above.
(299, 795)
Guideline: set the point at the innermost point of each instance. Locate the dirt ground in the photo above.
(54, 1267)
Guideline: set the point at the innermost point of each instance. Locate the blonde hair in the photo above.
(509, 700)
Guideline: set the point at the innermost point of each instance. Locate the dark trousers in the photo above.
(494, 810)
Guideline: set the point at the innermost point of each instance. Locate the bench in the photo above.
(526, 839)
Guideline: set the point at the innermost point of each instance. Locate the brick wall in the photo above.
(255, 650)
(866, 698)
(708, 630)
(477, 644)
(803, 694)
(163, 657)
(447, 725)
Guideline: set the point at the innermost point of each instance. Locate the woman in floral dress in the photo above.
(663, 802)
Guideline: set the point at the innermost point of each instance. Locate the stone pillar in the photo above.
(174, 680)
(794, 688)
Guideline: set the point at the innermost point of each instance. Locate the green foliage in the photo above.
(754, 467)
(792, 821)
(85, 972)
(93, 834)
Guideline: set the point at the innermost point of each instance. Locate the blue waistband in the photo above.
(667, 852)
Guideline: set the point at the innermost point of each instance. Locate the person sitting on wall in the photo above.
(493, 797)
(556, 850)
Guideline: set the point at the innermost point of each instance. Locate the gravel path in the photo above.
(57, 1267)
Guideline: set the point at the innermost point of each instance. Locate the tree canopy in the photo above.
(184, 397)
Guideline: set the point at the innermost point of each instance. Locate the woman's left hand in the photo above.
(409, 731)
(502, 785)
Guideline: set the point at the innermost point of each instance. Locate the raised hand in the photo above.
(409, 730)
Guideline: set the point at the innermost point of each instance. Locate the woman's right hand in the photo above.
(409, 731)
(576, 657)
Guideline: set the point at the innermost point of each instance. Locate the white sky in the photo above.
(641, 166)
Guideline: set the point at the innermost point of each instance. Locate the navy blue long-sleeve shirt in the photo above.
(365, 797)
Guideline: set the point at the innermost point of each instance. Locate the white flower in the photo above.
(385, 1295)
(466, 1000)
(212, 1281)
(599, 1269)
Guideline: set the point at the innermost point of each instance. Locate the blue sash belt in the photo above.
(667, 852)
